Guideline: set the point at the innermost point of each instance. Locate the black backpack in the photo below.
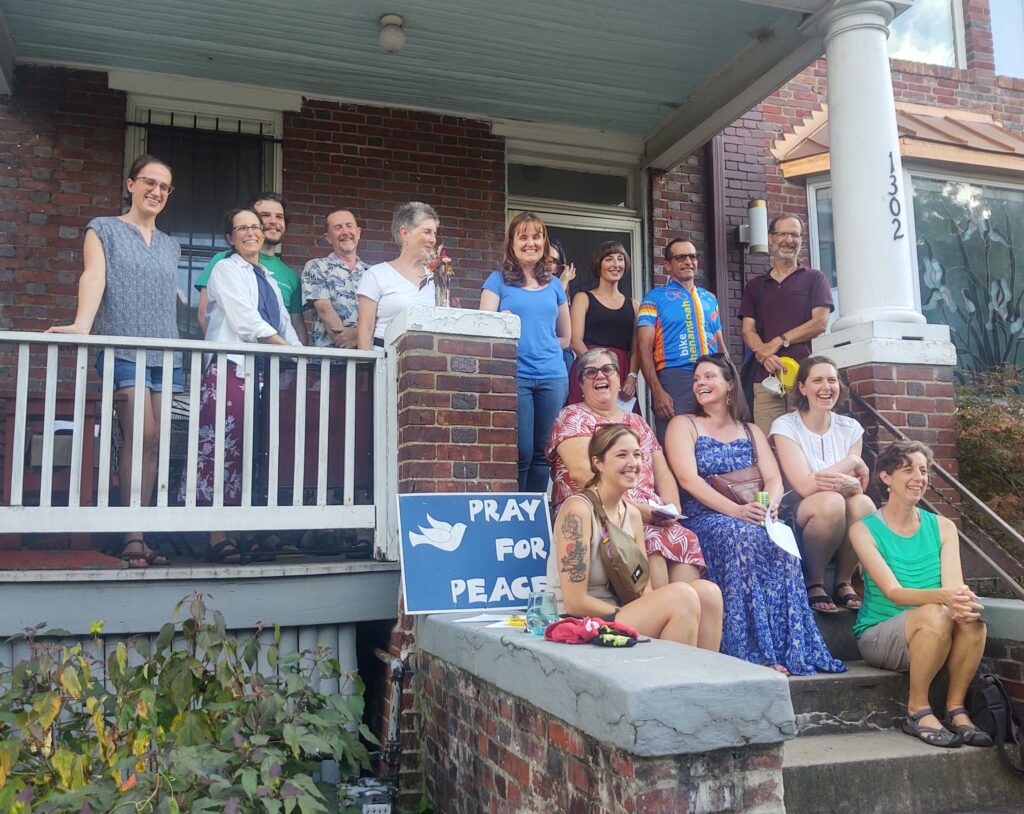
(991, 709)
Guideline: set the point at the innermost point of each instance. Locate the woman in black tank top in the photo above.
(604, 317)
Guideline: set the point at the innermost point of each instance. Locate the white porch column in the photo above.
(873, 259)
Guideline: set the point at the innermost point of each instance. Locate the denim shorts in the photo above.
(124, 375)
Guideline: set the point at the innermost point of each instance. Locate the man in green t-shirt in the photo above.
(271, 208)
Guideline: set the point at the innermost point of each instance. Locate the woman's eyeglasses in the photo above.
(243, 229)
(607, 370)
(152, 183)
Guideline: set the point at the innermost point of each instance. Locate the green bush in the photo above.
(163, 730)
(990, 444)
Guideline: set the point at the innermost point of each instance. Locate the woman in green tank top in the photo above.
(918, 614)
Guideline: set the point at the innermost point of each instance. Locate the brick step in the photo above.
(891, 773)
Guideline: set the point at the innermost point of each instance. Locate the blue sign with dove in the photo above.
(472, 551)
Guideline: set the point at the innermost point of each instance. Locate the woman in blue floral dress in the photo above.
(767, 618)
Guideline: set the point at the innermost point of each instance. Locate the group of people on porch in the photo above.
(717, 578)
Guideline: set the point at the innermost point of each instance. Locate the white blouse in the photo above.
(821, 451)
(393, 293)
(232, 314)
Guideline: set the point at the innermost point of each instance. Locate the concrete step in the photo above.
(862, 699)
(888, 772)
(837, 628)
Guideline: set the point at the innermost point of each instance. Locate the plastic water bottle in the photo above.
(540, 611)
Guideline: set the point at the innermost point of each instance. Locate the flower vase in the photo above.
(442, 296)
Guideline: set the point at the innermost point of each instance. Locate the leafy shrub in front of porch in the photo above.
(165, 729)
(990, 445)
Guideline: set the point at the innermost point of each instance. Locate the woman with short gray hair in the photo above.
(387, 289)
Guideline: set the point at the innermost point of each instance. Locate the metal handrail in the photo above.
(972, 498)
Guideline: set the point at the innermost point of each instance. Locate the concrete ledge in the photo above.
(658, 698)
(1005, 619)
(452, 321)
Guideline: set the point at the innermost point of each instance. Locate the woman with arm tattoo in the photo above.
(575, 571)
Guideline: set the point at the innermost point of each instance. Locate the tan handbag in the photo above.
(625, 563)
(740, 485)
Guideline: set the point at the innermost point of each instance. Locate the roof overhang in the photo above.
(955, 138)
(658, 80)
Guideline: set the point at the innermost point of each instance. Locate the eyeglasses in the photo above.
(152, 183)
(607, 370)
(678, 258)
(793, 235)
(255, 229)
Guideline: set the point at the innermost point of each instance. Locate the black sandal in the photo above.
(227, 550)
(933, 736)
(142, 556)
(969, 732)
(823, 603)
(848, 599)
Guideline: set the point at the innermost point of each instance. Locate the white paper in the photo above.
(781, 535)
(668, 511)
(505, 623)
(485, 617)
(625, 405)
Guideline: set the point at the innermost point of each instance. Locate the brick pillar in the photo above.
(920, 401)
(454, 405)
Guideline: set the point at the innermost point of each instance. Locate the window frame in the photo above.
(959, 40)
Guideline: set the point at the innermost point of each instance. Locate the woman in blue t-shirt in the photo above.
(525, 287)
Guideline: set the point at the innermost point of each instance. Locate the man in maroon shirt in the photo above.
(782, 312)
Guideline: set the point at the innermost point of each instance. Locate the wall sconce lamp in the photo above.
(754, 233)
(392, 35)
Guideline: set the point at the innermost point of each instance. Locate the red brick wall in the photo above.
(486, 750)
(456, 433)
(1006, 660)
(374, 159)
(61, 161)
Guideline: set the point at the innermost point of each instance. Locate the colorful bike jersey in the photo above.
(685, 323)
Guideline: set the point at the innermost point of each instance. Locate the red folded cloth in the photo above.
(574, 630)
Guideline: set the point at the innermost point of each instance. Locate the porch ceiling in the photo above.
(665, 71)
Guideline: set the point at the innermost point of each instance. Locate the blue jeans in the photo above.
(540, 401)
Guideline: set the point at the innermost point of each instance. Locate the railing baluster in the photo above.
(192, 454)
(247, 428)
(218, 446)
(350, 432)
(78, 423)
(325, 405)
(273, 391)
(20, 418)
(298, 480)
(106, 438)
(49, 417)
(138, 420)
(163, 467)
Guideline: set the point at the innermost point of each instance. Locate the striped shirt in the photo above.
(685, 323)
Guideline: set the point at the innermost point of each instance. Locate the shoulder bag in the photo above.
(624, 561)
(740, 484)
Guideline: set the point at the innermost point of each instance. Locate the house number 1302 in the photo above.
(894, 202)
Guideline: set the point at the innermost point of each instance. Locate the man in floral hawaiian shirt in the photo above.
(329, 283)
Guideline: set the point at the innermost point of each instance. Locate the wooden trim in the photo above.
(719, 249)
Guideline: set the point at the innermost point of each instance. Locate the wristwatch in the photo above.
(632, 375)
(785, 340)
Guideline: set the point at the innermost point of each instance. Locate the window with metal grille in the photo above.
(218, 163)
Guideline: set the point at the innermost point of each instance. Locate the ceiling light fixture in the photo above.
(392, 36)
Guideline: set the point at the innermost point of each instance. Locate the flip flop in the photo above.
(933, 736)
(823, 603)
(847, 599)
(969, 732)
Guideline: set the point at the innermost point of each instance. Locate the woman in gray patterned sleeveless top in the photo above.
(128, 288)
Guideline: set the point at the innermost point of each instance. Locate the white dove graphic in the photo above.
(444, 536)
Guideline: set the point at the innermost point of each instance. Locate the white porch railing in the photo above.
(38, 380)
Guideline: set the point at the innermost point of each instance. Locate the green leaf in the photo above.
(46, 708)
(191, 729)
(70, 768)
(250, 780)
(271, 805)
(164, 637)
(179, 684)
(121, 655)
(172, 806)
(290, 735)
(272, 653)
(8, 749)
(250, 653)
